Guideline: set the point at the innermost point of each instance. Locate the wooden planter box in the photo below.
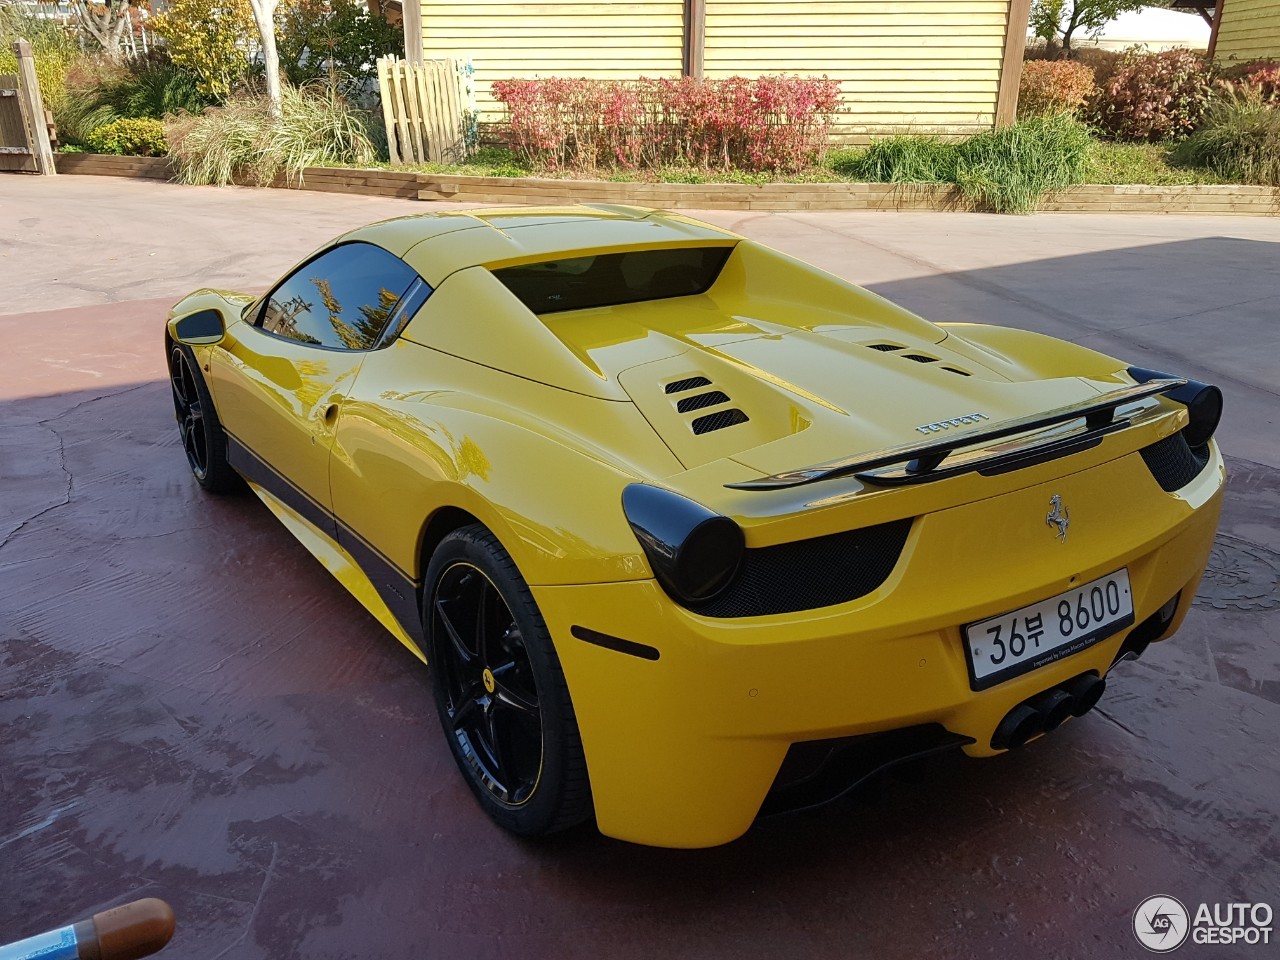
(1087, 198)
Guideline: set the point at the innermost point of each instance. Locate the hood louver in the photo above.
(689, 383)
(917, 357)
(718, 421)
(701, 401)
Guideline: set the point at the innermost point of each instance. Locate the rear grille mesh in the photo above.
(689, 383)
(809, 574)
(963, 373)
(1173, 463)
(719, 420)
(919, 358)
(702, 400)
(884, 347)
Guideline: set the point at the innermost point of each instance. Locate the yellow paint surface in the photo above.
(1250, 30)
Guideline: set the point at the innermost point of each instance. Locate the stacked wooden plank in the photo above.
(1089, 198)
(104, 165)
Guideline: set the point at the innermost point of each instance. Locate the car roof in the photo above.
(438, 244)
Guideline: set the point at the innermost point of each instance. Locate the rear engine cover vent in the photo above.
(963, 373)
(719, 420)
(702, 400)
(919, 358)
(689, 383)
(884, 347)
(1173, 462)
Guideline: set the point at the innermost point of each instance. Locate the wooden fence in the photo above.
(24, 122)
(426, 109)
(15, 148)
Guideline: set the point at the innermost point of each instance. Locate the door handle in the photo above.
(329, 415)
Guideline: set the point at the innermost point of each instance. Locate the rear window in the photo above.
(613, 278)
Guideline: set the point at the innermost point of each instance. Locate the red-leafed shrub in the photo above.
(1263, 74)
(769, 123)
(1053, 86)
(1260, 76)
(1153, 96)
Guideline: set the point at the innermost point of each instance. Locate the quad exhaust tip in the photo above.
(1047, 710)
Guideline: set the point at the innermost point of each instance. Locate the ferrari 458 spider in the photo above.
(688, 530)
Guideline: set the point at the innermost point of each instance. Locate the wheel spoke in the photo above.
(468, 706)
(482, 618)
(510, 697)
(493, 745)
(464, 655)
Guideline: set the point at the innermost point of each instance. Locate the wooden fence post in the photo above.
(33, 107)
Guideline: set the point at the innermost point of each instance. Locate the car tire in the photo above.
(203, 439)
(500, 693)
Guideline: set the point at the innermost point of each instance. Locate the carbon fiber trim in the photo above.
(809, 574)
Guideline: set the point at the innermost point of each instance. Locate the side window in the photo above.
(342, 299)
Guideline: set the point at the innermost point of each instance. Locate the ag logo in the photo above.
(1161, 924)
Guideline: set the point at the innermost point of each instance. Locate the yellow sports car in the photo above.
(688, 530)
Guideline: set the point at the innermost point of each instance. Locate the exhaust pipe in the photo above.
(1048, 710)
(1052, 707)
(1019, 725)
(1085, 690)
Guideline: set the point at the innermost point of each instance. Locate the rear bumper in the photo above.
(683, 749)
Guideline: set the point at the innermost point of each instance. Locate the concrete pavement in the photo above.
(191, 708)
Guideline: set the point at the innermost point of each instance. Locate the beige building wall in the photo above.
(919, 65)
(904, 65)
(571, 38)
(1249, 30)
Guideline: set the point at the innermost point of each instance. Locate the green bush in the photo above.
(133, 136)
(242, 141)
(153, 86)
(902, 159)
(101, 91)
(80, 113)
(1238, 139)
(54, 49)
(317, 38)
(1007, 170)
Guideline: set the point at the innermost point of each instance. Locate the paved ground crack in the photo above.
(66, 496)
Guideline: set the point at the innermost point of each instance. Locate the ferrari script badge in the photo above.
(941, 425)
(1059, 516)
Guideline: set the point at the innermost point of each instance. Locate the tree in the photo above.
(1061, 20)
(264, 15)
(210, 38)
(105, 21)
(319, 37)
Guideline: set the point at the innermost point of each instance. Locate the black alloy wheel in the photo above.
(500, 692)
(203, 439)
(190, 413)
(492, 699)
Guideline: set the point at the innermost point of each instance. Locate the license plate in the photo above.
(1014, 643)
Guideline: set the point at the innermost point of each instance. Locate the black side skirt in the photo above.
(397, 589)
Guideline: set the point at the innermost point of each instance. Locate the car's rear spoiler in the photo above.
(922, 462)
